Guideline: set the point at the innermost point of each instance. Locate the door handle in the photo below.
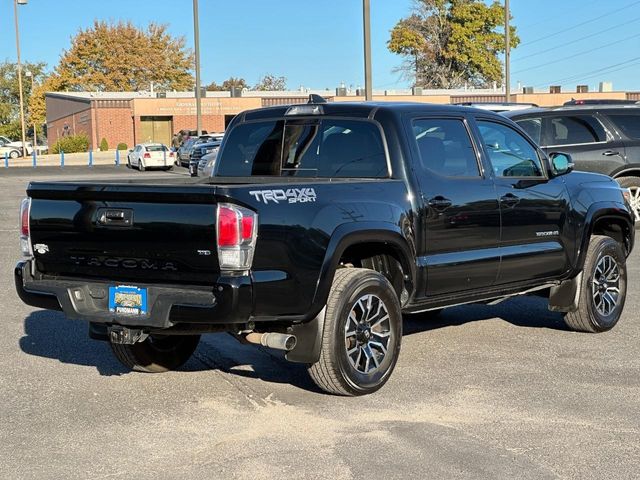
(439, 203)
(610, 153)
(509, 200)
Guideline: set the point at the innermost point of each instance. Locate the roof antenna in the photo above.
(313, 99)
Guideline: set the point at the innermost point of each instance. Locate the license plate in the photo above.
(128, 300)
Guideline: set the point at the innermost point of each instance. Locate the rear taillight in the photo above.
(25, 230)
(171, 154)
(237, 231)
(147, 155)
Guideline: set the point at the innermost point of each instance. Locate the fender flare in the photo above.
(309, 334)
(350, 234)
(599, 211)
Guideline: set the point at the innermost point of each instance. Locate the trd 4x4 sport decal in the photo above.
(290, 195)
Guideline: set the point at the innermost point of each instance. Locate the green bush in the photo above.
(122, 146)
(71, 144)
(104, 146)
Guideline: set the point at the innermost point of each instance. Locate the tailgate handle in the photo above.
(115, 217)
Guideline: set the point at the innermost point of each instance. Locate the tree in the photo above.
(271, 83)
(228, 84)
(122, 57)
(450, 43)
(10, 96)
(118, 57)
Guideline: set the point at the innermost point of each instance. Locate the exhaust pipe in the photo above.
(278, 341)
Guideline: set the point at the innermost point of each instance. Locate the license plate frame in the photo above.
(128, 300)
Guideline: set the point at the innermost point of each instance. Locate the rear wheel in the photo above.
(604, 287)
(362, 334)
(141, 166)
(633, 184)
(157, 353)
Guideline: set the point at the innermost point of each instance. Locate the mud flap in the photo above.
(564, 297)
(309, 340)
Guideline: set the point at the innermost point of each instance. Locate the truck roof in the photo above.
(360, 109)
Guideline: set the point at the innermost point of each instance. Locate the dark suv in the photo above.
(602, 138)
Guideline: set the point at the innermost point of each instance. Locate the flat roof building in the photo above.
(137, 117)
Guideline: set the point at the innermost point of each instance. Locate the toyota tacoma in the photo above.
(323, 224)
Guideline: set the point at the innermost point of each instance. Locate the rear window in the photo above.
(628, 124)
(305, 148)
(156, 148)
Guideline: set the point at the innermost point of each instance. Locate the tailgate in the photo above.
(148, 233)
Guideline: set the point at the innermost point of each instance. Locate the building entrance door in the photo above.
(156, 129)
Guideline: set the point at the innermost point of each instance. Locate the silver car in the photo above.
(207, 163)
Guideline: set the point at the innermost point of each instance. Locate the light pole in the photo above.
(15, 16)
(28, 74)
(196, 34)
(507, 53)
(366, 21)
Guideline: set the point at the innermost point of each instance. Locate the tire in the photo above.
(13, 154)
(599, 308)
(157, 353)
(141, 166)
(633, 184)
(338, 372)
(128, 162)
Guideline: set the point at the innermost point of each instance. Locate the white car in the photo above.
(5, 142)
(498, 106)
(11, 152)
(150, 155)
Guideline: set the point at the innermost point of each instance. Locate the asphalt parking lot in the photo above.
(481, 392)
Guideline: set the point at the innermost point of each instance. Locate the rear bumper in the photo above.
(159, 162)
(228, 301)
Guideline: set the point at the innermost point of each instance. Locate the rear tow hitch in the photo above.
(126, 336)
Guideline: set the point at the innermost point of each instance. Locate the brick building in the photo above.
(136, 117)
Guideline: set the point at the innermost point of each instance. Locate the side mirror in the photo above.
(561, 163)
(130, 150)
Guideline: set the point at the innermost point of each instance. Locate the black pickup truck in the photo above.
(324, 223)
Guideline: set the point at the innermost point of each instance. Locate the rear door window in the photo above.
(305, 147)
(628, 124)
(445, 147)
(575, 130)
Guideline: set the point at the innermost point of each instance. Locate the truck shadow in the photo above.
(220, 351)
(528, 312)
(51, 335)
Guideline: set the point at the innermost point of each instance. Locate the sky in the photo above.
(318, 43)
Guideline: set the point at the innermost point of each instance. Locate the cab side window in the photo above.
(575, 129)
(510, 153)
(445, 147)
